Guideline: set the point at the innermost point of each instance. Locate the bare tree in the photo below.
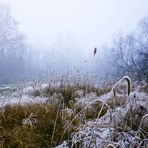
(130, 53)
(12, 46)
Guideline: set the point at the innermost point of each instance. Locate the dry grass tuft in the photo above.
(38, 129)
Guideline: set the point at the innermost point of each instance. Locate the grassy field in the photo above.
(70, 113)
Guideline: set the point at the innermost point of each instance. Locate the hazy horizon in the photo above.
(61, 36)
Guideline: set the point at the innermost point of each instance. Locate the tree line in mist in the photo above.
(128, 54)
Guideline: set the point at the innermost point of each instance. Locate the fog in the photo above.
(90, 23)
(65, 32)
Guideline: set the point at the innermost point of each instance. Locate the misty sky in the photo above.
(88, 22)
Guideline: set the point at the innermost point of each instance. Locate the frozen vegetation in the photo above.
(75, 115)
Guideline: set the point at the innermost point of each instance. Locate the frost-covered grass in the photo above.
(73, 114)
(38, 114)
